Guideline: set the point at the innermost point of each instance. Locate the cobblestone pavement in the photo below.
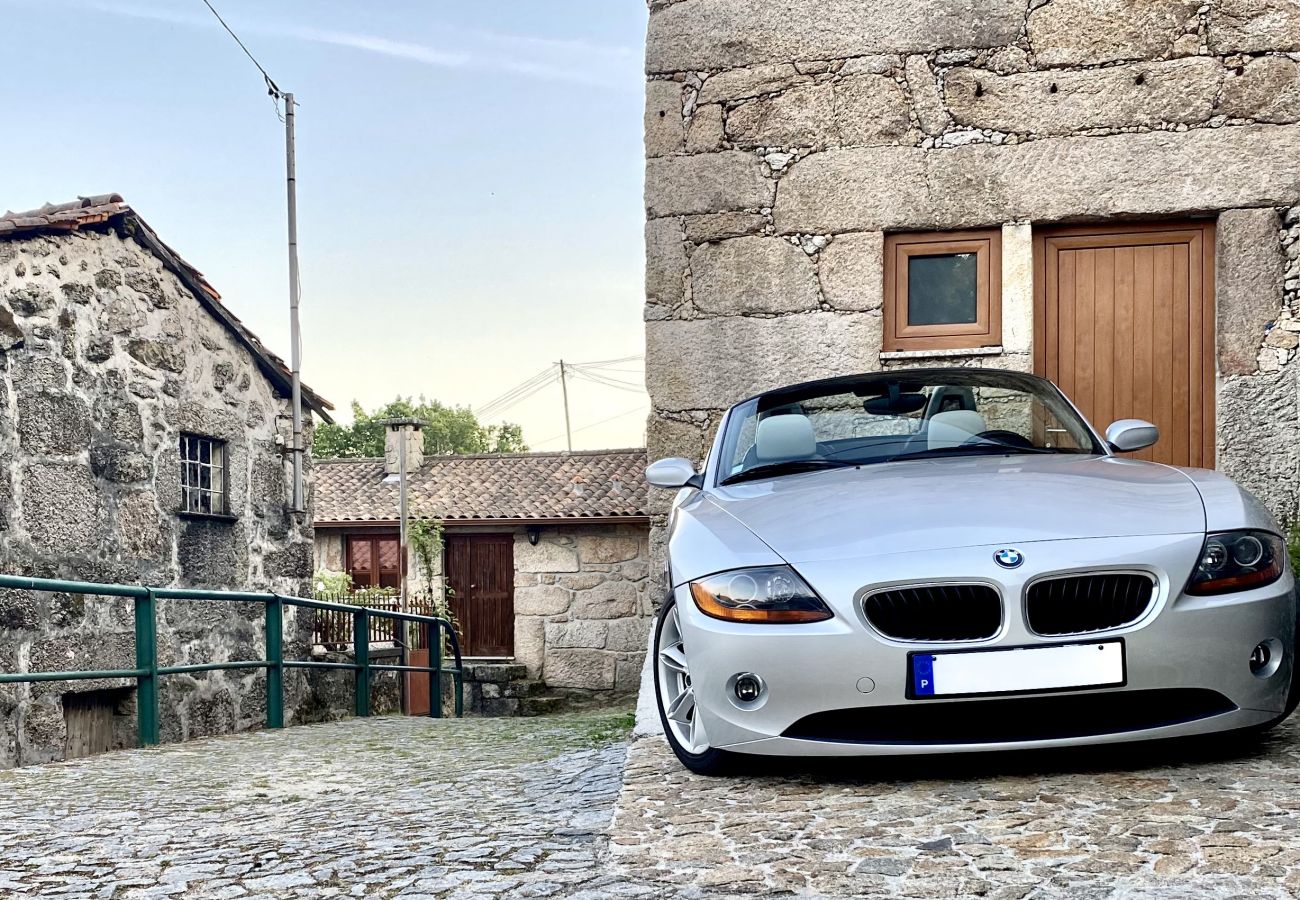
(403, 809)
(379, 808)
(1141, 822)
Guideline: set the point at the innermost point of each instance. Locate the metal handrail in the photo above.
(147, 671)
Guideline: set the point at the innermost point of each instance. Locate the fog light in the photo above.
(1260, 657)
(748, 687)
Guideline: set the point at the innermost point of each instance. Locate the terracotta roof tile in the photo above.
(589, 484)
(88, 211)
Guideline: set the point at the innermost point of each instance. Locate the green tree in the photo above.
(447, 430)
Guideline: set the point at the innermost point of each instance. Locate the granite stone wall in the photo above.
(583, 606)
(582, 602)
(105, 359)
(784, 139)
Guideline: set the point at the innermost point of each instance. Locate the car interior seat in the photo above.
(780, 438)
(953, 428)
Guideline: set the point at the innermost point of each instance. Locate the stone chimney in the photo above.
(393, 431)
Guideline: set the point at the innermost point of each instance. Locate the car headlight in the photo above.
(774, 594)
(1237, 560)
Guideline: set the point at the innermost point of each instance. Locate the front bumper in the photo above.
(1185, 646)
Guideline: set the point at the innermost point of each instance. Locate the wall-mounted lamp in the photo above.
(534, 534)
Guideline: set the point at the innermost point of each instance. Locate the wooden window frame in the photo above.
(371, 538)
(985, 331)
(218, 489)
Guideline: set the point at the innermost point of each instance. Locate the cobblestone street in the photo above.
(379, 808)
(1140, 822)
(503, 808)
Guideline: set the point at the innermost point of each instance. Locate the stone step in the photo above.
(498, 672)
(541, 706)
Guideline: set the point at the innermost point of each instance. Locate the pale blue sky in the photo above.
(469, 178)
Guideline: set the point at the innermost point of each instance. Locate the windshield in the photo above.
(914, 414)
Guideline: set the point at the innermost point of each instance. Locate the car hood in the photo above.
(933, 504)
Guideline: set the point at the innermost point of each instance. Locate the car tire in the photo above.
(712, 762)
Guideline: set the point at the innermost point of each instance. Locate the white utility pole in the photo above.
(564, 389)
(295, 335)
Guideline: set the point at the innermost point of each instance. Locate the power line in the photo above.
(612, 382)
(518, 393)
(272, 87)
(635, 409)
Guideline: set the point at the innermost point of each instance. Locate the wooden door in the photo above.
(480, 571)
(1124, 324)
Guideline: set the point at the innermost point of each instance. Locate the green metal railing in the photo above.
(147, 671)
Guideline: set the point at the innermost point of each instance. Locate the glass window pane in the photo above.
(942, 290)
(389, 552)
(205, 451)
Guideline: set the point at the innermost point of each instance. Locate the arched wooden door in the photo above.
(1124, 324)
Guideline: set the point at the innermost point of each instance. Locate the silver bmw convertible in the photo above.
(941, 560)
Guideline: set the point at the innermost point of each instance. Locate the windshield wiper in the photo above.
(996, 449)
(788, 467)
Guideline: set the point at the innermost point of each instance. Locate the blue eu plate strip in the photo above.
(923, 675)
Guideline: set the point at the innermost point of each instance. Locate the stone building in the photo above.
(545, 554)
(142, 436)
(1109, 188)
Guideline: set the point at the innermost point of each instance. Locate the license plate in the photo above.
(966, 673)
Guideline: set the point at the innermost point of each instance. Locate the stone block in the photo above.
(1086, 32)
(742, 84)
(550, 554)
(852, 271)
(591, 670)
(743, 356)
(141, 531)
(584, 633)
(627, 634)
(593, 548)
(1249, 271)
(212, 553)
(1254, 26)
(30, 300)
(157, 355)
(120, 463)
(734, 33)
(1062, 102)
(1044, 180)
(865, 110)
(609, 600)
(627, 671)
(530, 642)
(665, 130)
(749, 275)
(929, 106)
(706, 130)
(11, 334)
(1257, 435)
(293, 561)
(1267, 90)
(719, 226)
(63, 509)
(665, 271)
(541, 600)
(706, 183)
(52, 423)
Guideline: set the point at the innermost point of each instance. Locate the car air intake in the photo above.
(1013, 719)
(1078, 604)
(935, 612)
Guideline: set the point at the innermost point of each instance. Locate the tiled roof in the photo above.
(523, 486)
(90, 211)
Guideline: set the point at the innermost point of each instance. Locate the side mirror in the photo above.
(1128, 435)
(675, 472)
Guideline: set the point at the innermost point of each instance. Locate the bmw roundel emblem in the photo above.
(1008, 557)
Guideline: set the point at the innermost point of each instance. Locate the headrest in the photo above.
(784, 437)
(953, 428)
